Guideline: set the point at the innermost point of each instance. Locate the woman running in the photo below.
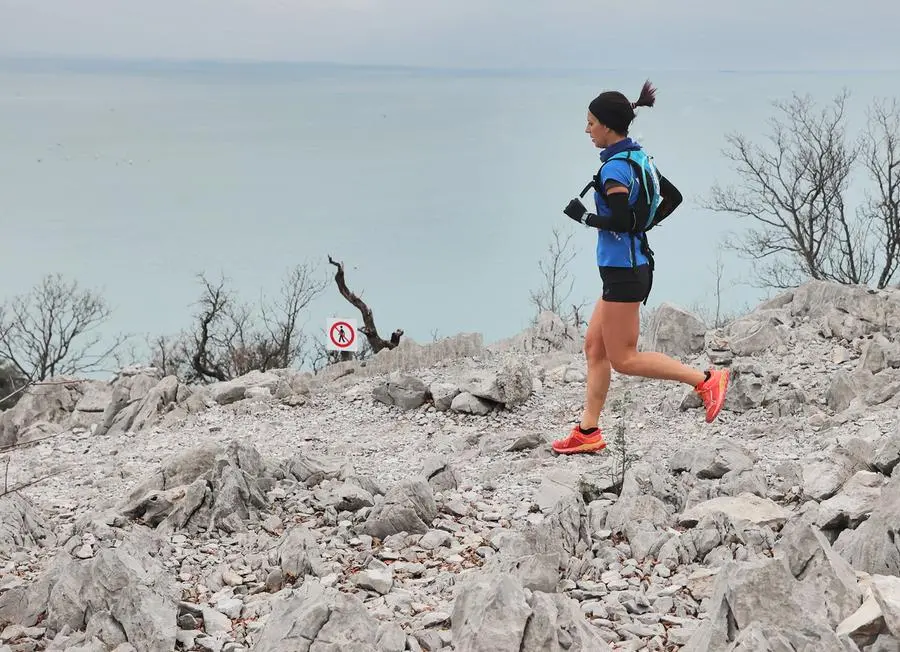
(627, 190)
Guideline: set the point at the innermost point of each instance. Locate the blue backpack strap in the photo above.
(648, 201)
(649, 198)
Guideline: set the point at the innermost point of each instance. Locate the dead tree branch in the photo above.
(24, 485)
(368, 329)
(213, 304)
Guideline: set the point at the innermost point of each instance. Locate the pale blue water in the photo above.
(439, 190)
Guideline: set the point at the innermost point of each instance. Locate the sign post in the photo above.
(341, 335)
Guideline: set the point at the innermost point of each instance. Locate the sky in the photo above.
(688, 34)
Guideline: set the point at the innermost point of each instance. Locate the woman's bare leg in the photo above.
(598, 370)
(620, 327)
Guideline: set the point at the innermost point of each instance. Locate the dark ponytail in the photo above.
(647, 96)
(616, 111)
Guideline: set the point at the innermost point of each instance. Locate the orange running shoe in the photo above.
(712, 391)
(578, 442)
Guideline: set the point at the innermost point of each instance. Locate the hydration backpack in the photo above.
(645, 209)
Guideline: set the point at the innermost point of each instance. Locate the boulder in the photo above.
(407, 507)
(878, 354)
(842, 390)
(347, 496)
(22, 526)
(467, 403)
(440, 472)
(853, 503)
(749, 386)
(864, 625)
(442, 394)
(759, 332)
(675, 331)
(743, 508)
(886, 591)
(315, 618)
(401, 390)
(846, 312)
(298, 554)
(495, 612)
(817, 567)
(124, 593)
(236, 389)
(759, 605)
(205, 488)
(145, 408)
(94, 398)
(871, 547)
(712, 459)
(52, 403)
(510, 385)
(312, 469)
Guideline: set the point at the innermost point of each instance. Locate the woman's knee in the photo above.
(594, 349)
(623, 362)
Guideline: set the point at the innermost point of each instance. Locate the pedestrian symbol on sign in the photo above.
(341, 335)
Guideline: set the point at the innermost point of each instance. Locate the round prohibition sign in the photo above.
(341, 334)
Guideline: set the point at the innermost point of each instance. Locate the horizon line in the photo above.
(249, 62)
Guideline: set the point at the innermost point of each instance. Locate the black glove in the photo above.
(576, 210)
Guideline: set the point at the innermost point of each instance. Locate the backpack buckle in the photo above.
(593, 183)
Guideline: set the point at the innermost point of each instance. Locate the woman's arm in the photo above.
(671, 197)
(621, 217)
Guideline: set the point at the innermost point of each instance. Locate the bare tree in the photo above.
(794, 190)
(230, 338)
(214, 333)
(52, 330)
(171, 354)
(881, 157)
(712, 312)
(577, 318)
(376, 342)
(322, 357)
(557, 282)
(718, 273)
(280, 318)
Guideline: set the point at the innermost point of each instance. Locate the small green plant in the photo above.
(622, 457)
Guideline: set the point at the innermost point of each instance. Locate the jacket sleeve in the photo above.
(621, 217)
(671, 197)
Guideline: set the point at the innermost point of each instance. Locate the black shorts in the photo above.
(626, 284)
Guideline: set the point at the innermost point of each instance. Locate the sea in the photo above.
(438, 189)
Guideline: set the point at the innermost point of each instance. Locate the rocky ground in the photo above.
(414, 503)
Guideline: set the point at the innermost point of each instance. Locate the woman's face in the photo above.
(601, 135)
